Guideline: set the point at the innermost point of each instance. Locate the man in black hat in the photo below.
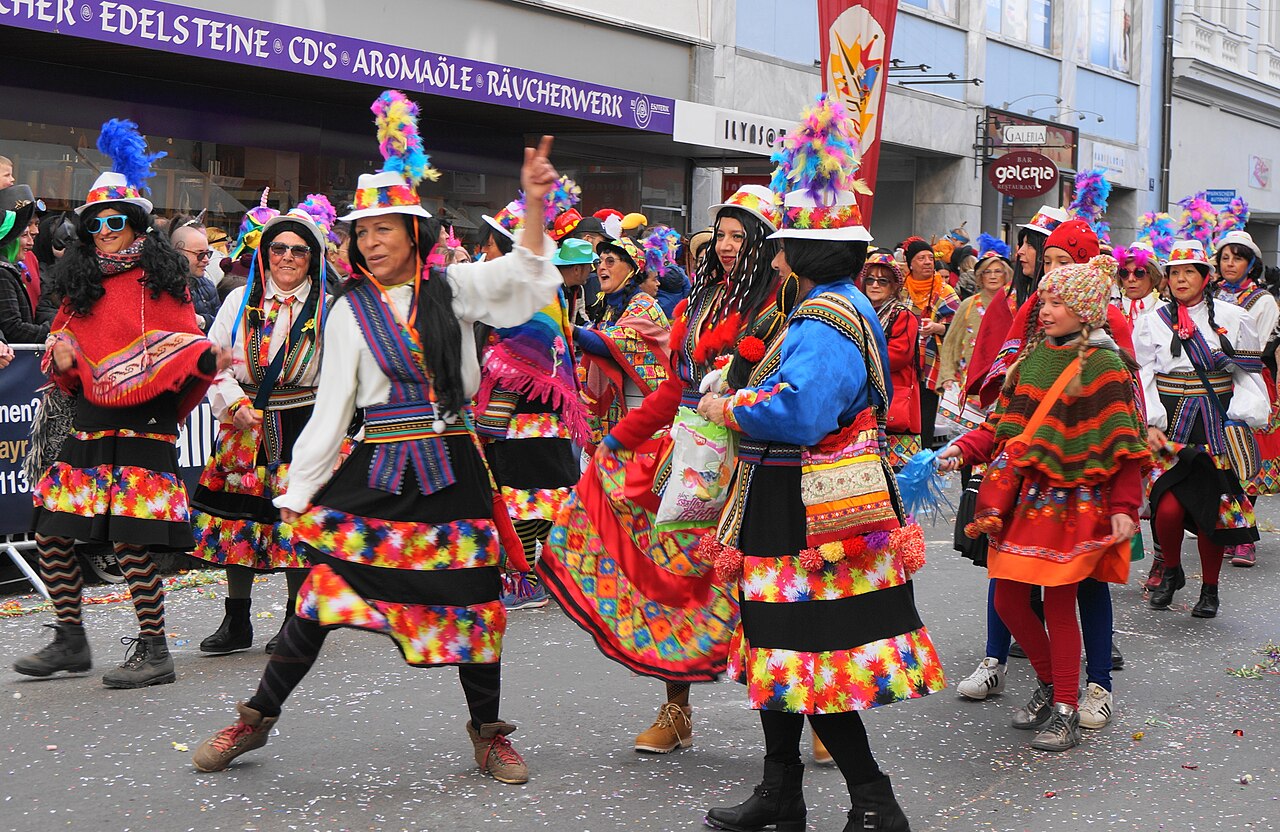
(17, 314)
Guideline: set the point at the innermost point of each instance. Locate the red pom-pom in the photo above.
(811, 559)
(751, 349)
(908, 542)
(855, 547)
(728, 563)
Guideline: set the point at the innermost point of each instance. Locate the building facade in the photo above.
(657, 105)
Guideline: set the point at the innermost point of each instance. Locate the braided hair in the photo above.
(755, 278)
(1175, 344)
(1076, 386)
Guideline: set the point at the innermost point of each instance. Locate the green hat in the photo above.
(574, 253)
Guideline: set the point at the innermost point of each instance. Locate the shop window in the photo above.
(1026, 21)
(1107, 35)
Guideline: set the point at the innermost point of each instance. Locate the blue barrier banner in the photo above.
(20, 383)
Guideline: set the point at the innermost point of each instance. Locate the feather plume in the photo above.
(1090, 201)
(1199, 220)
(660, 249)
(1232, 218)
(398, 140)
(820, 157)
(121, 141)
(1159, 230)
(987, 243)
(561, 198)
(321, 211)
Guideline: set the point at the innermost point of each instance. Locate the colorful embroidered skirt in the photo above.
(1210, 493)
(235, 521)
(116, 479)
(902, 446)
(1267, 481)
(646, 598)
(838, 638)
(1058, 536)
(422, 569)
(534, 465)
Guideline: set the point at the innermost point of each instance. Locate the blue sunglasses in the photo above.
(115, 222)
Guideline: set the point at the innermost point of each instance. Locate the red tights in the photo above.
(1169, 522)
(1054, 654)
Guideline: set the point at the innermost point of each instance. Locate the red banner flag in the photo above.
(855, 39)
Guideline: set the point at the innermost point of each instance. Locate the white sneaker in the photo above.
(1095, 710)
(988, 679)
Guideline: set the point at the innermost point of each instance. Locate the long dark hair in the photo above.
(825, 261)
(78, 279)
(438, 328)
(756, 282)
(1023, 286)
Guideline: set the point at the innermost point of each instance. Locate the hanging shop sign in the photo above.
(201, 33)
(1023, 174)
(1024, 135)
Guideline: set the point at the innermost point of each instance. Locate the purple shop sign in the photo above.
(182, 30)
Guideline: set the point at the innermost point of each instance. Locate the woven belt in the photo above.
(1189, 384)
(283, 398)
(406, 422)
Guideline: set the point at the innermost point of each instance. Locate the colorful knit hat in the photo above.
(1187, 252)
(1046, 220)
(131, 167)
(756, 200)
(882, 258)
(1085, 288)
(394, 189)
(251, 226)
(816, 169)
(1076, 238)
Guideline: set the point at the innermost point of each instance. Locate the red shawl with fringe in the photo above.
(133, 347)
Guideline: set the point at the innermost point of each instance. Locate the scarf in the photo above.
(535, 359)
(110, 263)
(923, 292)
(888, 313)
(1236, 288)
(133, 347)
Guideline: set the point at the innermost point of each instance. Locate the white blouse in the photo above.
(1152, 338)
(226, 390)
(1265, 313)
(503, 293)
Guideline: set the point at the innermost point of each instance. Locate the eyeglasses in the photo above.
(878, 281)
(280, 250)
(1136, 274)
(115, 222)
(200, 256)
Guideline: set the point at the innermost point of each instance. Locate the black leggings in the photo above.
(299, 645)
(842, 734)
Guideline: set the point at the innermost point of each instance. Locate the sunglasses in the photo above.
(878, 281)
(115, 222)
(201, 256)
(1137, 274)
(280, 250)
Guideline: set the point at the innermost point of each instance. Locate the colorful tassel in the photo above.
(398, 139)
(121, 141)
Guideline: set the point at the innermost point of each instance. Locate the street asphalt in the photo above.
(367, 743)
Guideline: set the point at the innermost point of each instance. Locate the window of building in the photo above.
(946, 8)
(1028, 21)
(1106, 38)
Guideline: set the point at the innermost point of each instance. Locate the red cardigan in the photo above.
(904, 371)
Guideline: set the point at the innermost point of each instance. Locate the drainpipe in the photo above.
(1166, 127)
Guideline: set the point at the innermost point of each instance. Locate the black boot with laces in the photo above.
(68, 651)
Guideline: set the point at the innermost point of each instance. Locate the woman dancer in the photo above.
(273, 327)
(881, 281)
(646, 597)
(407, 537)
(127, 346)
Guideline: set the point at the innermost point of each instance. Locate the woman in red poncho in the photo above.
(127, 346)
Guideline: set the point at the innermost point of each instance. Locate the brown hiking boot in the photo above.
(248, 733)
(495, 754)
(671, 730)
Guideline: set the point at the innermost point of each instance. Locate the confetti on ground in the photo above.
(183, 580)
(1238, 732)
(1151, 720)
(265, 614)
(1050, 794)
(1269, 665)
(1246, 779)
(55, 748)
(1191, 766)
(1137, 735)
(179, 746)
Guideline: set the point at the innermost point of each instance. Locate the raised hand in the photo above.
(538, 175)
